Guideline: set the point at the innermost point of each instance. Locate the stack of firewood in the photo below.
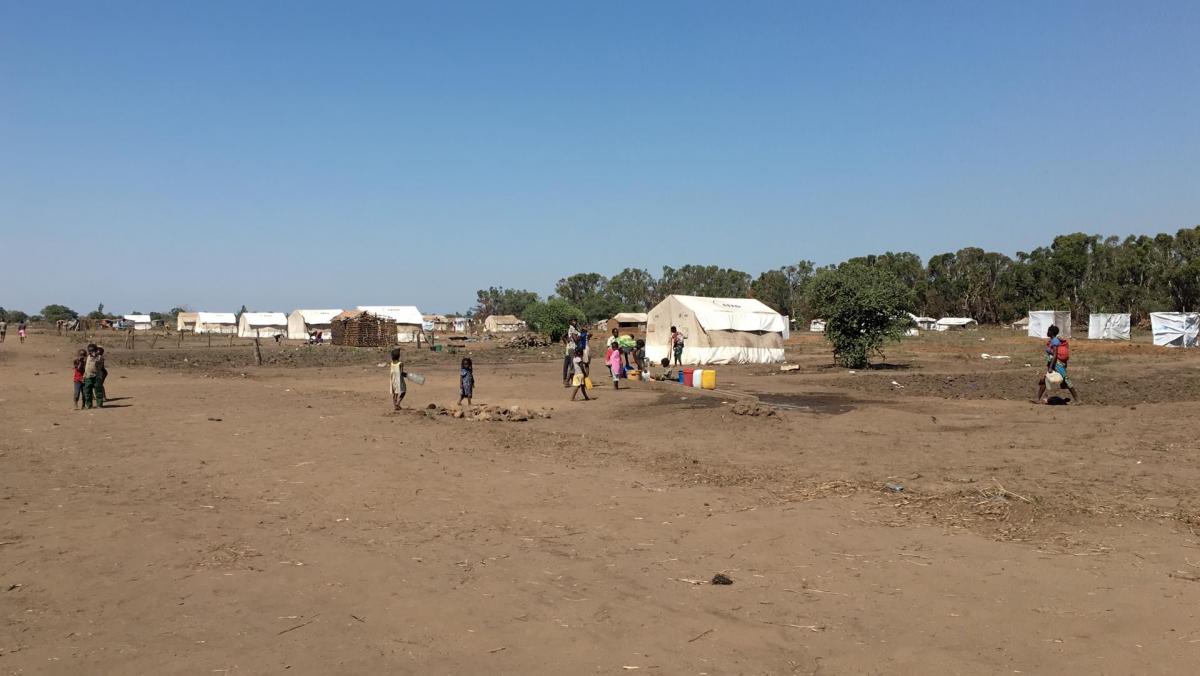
(363, 330)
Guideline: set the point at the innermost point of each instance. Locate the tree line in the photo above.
(1078, 272)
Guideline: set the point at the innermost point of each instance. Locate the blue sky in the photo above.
(289, 154)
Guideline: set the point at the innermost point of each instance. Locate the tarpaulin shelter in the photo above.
(1108, 326)
(262, 324)
(502, 324)
(302, 323)
(1175, 329)
(955, 324)
(1040, 321)
(216, 322)
(138, 322)
(408, 318)
(186, 321)
(716, 330)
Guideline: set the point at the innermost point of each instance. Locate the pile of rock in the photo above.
(526, 340)
(754, 409)
(487, 413)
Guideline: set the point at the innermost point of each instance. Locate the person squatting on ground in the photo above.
(466, 381)
(396, 379)
(1058, 352)
(614, 364)
(93, 382)
(579, 378)
(78, 365)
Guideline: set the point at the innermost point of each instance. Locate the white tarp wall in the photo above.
(139, 322)
(301, 323)
(716, 330)
(216, 322)
(1175, 329)
(1108, 326)
(1040, 321)
(262, 324)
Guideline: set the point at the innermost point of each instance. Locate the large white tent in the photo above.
(1108, 326)
(716, 330)
(186, 321)
(216, 322)
(407, 317)
(502, 324)
(1040, 321)
(262, 324)
(138, 322)
(955, 324)
(301, 323)
(1175, 329)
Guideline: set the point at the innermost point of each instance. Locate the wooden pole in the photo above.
(257, 350)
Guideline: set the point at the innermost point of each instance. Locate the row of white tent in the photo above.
(1171, 329)
(299, 324)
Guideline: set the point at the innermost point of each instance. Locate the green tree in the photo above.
(704, 280)
(552, 317)
(54, 313)
(501, 301)
(864, 306)
(588, 291)
(15, 316)
(633, 289)
(98, 313)
(773, 289)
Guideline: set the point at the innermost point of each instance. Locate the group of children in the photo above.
(89, 376)
(4, 330)
(398, 378)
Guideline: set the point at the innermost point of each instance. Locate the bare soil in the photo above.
(918, 518)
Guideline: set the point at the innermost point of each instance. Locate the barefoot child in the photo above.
(579, 379)
(93, 385)
(397, 376)
(466, 381)
(79, 364)
(614, 365)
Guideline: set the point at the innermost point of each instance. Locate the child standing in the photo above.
(614, 365)
(80, 363)
(21, 330)
(579, 379)
(466, 381)
(397, 376)
(93, 385)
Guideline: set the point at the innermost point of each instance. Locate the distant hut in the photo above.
(355, 328)
(502, 324)
(627, 323)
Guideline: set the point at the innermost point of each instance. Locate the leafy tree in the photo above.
(54, 313)
(634, 290)
(552, 317)
(98, 313)
(704, 280)
(502, 301)
(588, 291)
(864, 306)
(773, 289)
(15, 316)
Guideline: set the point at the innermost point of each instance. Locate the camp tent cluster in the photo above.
(716, 330)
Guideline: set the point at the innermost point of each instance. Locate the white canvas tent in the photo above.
(1040, 320)
(138, 322)
(955, 324)
(716, 330)
(502, 324)
(301, 323)
(1108, 326)
(216, 322)
(186, 321)
(924, 323)
(1021, 324)
(262, 324)
(627, 323)
(1175, 329)
(817, 326)
(407, 317)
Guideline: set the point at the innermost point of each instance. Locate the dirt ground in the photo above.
(921, 517)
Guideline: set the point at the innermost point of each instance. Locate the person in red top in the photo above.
(79, 363)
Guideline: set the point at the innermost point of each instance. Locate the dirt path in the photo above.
(286, 521)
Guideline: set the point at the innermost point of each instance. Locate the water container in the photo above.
(686, 376)
(697, 377)
(709, 380)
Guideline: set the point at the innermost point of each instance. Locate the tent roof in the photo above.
(216, 318)
(318, 316)
(630, 318)
(504, 319)
(956, 321)
(401, 314)
(732, 314)
(264, 318)
(139, 319)
(188, 316)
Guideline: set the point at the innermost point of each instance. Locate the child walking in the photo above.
(79, 364)
(579, 379)
(397, 376)
(466, 381)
